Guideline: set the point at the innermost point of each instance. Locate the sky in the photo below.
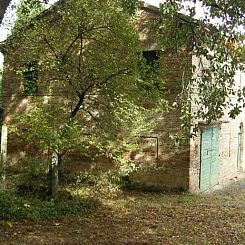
(153, 2)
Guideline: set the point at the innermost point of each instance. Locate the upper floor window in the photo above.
(151, 59)
(30, 75)
(150, 79)
(150, 64)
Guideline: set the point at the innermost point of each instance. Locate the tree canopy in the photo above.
(86, 58)
(216, 40)
(5, 3)
(87, 97)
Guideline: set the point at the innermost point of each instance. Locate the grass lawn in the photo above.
(135, 217)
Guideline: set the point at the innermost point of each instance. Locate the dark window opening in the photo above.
(151, 59)
(149, 71)
(30, 75)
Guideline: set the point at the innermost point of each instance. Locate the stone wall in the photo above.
(228, 148)
(176, 166)
(172, 160)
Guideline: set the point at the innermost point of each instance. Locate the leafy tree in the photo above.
(88, 95)
(5, 3)
(88, 61)
(26, 12)
(215, 40)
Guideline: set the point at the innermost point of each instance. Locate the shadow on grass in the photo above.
(135, 217)
(15, 207)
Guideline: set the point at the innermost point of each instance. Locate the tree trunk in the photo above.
(54, 174)
(3, 155)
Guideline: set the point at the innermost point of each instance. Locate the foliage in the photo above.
(26, 12)
(215, 45)
(100, 184)
(15, 208)
(32, 181)
(164, 219)
(131, 6)
(93, 76)
(4, 4)
(241, 53)
(30, 75)
(212, 44)
(214, 40)
(1, 74)
(144, 187)
(112, 182)
(104, 89)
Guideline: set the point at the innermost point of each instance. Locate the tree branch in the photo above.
(77, 107)
(70, 46)
(62, 62)
(80, 55)
(96, 28)
(71, 84)
(83, 94)
(120, 72)
(51, 48)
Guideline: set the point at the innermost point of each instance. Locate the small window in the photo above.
(149, 71)
(30, 75)
(151, 58)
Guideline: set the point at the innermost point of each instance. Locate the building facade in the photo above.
(213, 157)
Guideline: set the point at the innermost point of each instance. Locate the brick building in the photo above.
(213, 157)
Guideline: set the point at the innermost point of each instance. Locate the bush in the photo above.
(14, 207)
(102, 183)
(87, 178)
(66, 177)
(33, 181)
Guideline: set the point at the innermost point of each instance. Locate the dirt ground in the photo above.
(145, 218)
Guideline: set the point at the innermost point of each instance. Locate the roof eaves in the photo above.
(149, 7)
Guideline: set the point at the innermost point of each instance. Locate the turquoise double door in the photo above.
(209, 171)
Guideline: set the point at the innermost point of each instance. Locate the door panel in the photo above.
(209, 158)
(214, 175)
(205, 159)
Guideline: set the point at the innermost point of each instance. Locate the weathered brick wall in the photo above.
(228, 148)
(148, 37)
(173, 161)
(230, 129)
(14, 100)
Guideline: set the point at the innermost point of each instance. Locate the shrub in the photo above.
(33, 181)
(66, 177)
(102, 183)
(14, 207)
